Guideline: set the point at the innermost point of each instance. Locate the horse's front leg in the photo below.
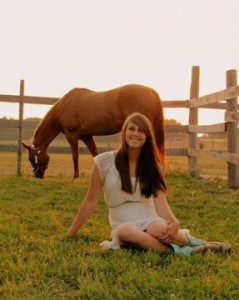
(73, 141)
(90, 144)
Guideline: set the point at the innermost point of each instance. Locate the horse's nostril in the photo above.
(39, 175)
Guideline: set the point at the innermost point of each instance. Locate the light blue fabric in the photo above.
(190, 247)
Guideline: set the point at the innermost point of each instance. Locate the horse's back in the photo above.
(103, 112)
(126, 92)
(123, 101)
(139, 98)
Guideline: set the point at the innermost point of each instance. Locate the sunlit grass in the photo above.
(37, 261)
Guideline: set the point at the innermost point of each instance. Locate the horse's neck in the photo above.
(45, 133)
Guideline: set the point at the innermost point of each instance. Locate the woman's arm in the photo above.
(89, 202)
(164, 211)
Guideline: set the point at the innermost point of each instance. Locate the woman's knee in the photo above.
(157, 228)
(125, 231)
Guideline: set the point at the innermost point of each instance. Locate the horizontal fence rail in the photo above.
(224, 100)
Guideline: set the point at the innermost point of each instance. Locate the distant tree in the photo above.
(172, 122)
(29, 124)
(174, 135)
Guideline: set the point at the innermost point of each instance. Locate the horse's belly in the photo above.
(105, 127)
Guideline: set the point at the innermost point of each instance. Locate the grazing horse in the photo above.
(82, 114)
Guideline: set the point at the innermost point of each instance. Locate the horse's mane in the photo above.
(41, 122)
(47, 116)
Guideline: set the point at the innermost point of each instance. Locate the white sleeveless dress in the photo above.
(123, 207)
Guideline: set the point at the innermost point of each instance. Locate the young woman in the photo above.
(135, 192)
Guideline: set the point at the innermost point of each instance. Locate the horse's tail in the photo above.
(160, 132)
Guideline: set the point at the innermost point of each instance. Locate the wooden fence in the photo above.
(225, 99)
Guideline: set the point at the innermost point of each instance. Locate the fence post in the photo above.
(19, 152)
(232, 132)
(193, 120)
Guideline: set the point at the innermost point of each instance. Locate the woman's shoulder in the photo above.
(104, 162)
(108, 155)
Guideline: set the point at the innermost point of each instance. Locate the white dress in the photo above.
(130, 208)
(123, 207)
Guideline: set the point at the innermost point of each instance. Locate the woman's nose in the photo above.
(135, 132)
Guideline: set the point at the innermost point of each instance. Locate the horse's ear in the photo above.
(27, 147)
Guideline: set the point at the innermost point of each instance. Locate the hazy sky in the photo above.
(56, 45)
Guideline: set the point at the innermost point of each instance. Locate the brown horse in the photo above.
(82, 114)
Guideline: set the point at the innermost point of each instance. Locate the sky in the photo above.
(56, 45)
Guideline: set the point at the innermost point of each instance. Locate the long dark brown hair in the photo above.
(148, 169)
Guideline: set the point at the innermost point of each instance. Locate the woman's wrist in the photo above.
(70, 233)
(176, 224)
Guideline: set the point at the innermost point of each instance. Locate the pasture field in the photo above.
(37, 261)
(61, 165)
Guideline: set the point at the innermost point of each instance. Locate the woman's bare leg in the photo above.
(158, 227)
(129, 234)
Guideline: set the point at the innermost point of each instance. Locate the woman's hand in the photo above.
(169, 233)
(164, 211)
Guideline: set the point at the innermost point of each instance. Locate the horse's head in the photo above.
(38, 159)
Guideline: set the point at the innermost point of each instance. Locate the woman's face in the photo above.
(134, 136)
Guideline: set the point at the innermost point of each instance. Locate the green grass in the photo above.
(38, 262)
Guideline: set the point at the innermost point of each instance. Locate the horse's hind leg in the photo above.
(90, 144)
